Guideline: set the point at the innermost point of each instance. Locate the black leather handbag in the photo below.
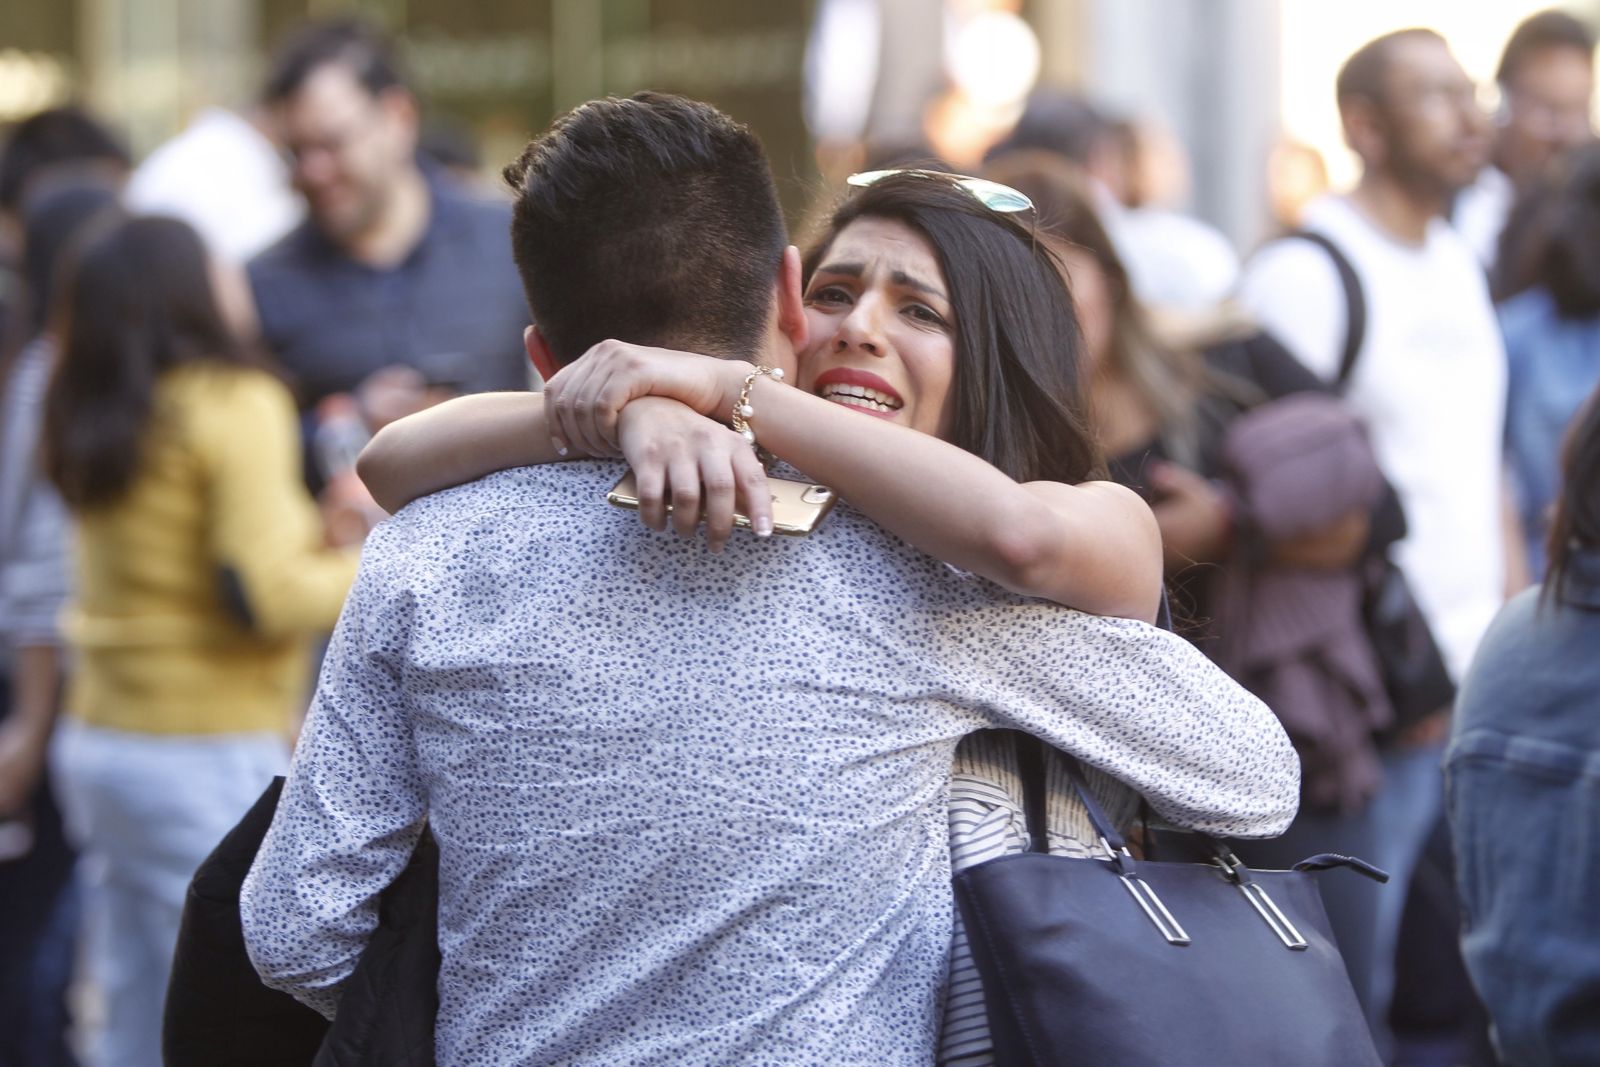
(1414, 673)
(1125, 961)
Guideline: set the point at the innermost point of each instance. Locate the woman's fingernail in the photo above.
(559, 445)
(764, 526)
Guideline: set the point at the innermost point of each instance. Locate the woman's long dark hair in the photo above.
(136, 300)
(1016, 392)
(1571, 266)
(1576, 526)
(1552, 237)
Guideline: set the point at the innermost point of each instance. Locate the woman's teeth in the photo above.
(859, 396)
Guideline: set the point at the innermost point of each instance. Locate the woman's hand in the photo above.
(585, 399)
(1194, 516)
(688, 462)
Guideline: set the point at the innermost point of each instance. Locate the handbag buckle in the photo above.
(1145, 896)
(1253, 891)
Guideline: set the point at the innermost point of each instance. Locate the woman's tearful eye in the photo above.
(829, 295)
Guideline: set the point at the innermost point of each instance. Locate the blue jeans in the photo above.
(38, 944)
(145, 810)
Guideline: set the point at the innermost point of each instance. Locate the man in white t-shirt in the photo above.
(1429, 378)
(1546, 79)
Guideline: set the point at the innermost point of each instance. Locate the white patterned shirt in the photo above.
(691, 808)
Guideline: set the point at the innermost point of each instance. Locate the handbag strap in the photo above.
(1032, 758)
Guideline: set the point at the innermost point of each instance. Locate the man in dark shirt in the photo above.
(394, 266)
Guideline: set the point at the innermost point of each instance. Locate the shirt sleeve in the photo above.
(34, 583)
(1139, 703)
(35, 530)
(350, 814)
(265, 531)
(1292, 288)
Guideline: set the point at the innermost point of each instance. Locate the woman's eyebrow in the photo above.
(900, 277)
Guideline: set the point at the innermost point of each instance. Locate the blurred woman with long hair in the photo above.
(1552, 335)
(200, 575)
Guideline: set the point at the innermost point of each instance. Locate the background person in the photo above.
(199, 573)
(1523, 780)
(1162, 392)
(1546, 79)
(224, 175)
(398, 280)
(39, 906)
(1410, 113)
(1552, 338)
(1174, 261)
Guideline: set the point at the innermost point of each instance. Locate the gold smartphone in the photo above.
(797, 507)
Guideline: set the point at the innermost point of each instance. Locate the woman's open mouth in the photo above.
(860, 390)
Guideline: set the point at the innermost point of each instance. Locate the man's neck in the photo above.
(1400, 212)
(399, 225)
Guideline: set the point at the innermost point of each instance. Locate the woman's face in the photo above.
(1091, 298)
(882, 328)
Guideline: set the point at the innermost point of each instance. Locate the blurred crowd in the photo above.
(194, 350)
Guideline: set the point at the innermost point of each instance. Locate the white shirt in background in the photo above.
(1431, 383)
(1481, 212)
(222, 176)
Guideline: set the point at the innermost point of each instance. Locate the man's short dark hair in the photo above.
(351, 43)
(651, 219)
(60, 136)
(1365, 74)
(1535, 34)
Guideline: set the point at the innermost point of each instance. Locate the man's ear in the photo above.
(1365, 130)
(544, 361)
(791, 303)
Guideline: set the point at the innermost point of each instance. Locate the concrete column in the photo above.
(1210, 70)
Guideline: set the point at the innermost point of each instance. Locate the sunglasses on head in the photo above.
(992, 195)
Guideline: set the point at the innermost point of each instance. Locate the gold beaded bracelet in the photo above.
(742, 411)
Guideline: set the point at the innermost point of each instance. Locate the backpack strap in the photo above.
(1355, 304)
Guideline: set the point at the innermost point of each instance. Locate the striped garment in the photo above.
(986, 822)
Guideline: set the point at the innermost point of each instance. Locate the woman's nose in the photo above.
(860, 329)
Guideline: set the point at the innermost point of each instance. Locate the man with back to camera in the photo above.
(392, 266)
(1429, 379)
(1546, 79)
(675, 825)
